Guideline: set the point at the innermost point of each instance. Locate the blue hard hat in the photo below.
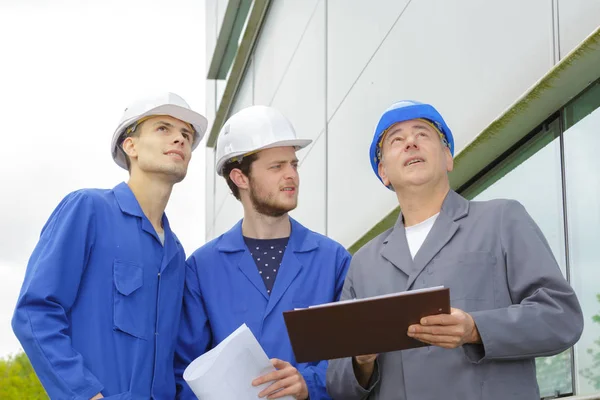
(401, 111)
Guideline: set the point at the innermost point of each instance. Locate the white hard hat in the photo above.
(252, 129)
(162, 104)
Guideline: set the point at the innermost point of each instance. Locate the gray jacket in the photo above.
(500, 269)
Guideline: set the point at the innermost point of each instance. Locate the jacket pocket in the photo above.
(470, 277)
(129, 313)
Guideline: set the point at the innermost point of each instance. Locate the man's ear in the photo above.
(382, 174)
(237, 176)
(449, 160)
(129, 148)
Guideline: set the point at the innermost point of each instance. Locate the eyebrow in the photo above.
(295, 160)
(416, 126)
(170, 125)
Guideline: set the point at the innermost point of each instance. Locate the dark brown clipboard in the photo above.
(366, 326)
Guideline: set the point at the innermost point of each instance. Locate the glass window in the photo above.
(582, 166)
(582, 106)
(532, 175)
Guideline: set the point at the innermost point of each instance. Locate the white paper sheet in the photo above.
(227, 371)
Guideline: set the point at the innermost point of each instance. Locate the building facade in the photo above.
(518, 82)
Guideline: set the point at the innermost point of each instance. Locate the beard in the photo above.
(266, 204)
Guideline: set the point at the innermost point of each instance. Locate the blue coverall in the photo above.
(224, 290)
(101, 300)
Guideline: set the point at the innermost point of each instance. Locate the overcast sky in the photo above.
(69, 68)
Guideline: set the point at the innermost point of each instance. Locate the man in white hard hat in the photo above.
(101, 300)
(266, 264)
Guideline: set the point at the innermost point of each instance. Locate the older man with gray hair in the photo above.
(510, 301)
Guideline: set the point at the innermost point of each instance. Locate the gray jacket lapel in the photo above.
(440, 234)
(395, 246)
(454, 208)
(395, 249)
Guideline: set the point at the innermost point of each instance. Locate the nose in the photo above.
(290, 172)
(411, 142)
(179, 139)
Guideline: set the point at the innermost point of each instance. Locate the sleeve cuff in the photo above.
(310, 385)
(90, 392)
(476, 352)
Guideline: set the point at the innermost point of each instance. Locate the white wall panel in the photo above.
(211, 29)
(211, 106)
(209, 170)
(301, 94)
(230, 213)
(222, 192)
(311, 202)
(284, 26)
(577, 19)
(355, 28)
(211, 40)
(463, 59)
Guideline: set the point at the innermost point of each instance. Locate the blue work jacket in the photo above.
(101, 300)
(224, 290)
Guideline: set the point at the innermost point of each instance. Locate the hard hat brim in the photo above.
(198, 121)
(299, 144)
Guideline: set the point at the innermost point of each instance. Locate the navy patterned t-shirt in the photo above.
(267, 254)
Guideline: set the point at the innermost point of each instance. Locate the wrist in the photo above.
(475, 337)
(363, 371)
(305, 394)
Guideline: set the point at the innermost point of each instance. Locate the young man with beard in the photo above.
(99, 308)
(267, 263)
(510, 301)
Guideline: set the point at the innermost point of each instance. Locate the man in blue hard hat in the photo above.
(510, 301)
